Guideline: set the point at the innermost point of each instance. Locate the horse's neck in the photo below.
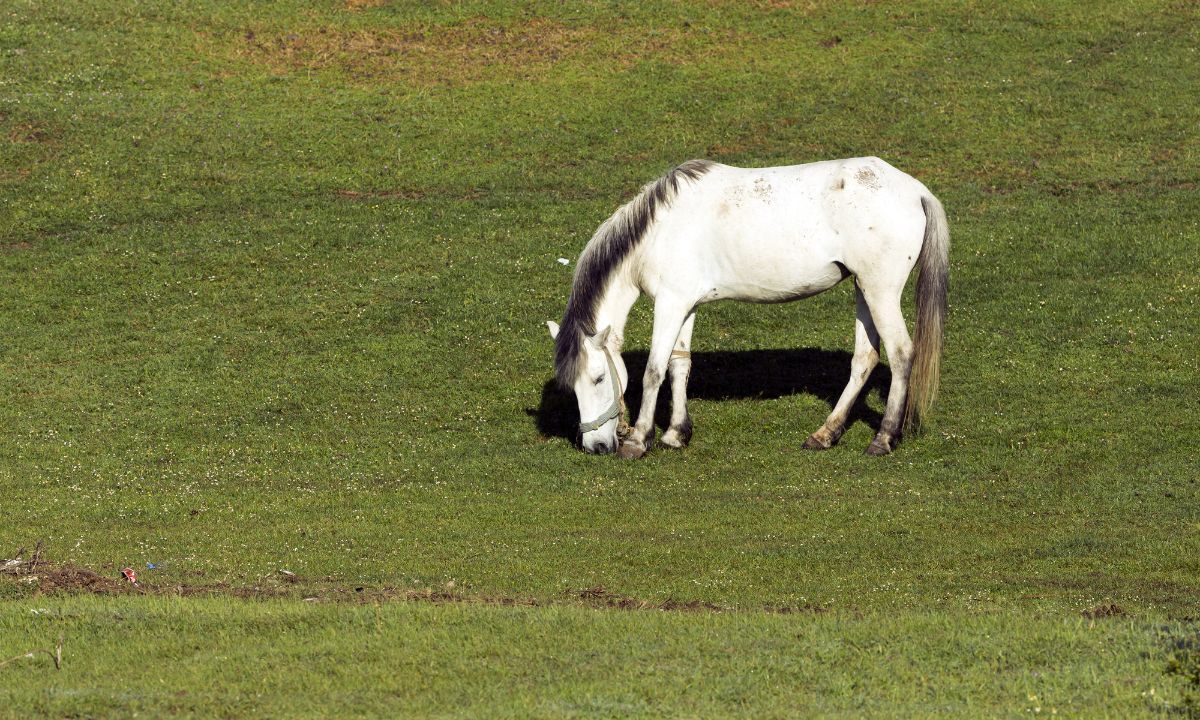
(614, 308)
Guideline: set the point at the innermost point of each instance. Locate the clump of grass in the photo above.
(1183, 661)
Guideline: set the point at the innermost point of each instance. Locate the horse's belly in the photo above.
(776, 282)
(771, 255)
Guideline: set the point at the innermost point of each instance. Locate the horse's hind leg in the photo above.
(866, 356)
(668, 320)
(679, 432)
(885, 311)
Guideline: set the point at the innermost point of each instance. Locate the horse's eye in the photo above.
(599, 379)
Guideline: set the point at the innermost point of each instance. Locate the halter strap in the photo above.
(613, 410)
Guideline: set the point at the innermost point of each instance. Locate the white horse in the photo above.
(706, 232)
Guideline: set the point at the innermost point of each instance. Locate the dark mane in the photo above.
(611, 244)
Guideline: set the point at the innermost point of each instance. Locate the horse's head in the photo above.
(599, 385)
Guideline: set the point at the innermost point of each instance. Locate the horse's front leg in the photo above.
(623, 427)
(668, 320)
(679, 432)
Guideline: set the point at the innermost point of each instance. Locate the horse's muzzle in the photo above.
(601, 448)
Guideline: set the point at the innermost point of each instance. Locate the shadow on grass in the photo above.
(762, 374)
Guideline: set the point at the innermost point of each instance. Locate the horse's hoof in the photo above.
(630, 451)
(878, 448)
(672, 440)
(815, 443)
(681, 436)
(677, 438)
(823, 438)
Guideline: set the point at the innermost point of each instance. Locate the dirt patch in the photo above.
(767, 5)
(1119, 186)
(471, 51)
(28, 132)
(69, 578)
(31, 143)
(1093, 584)
(807, 608)
(600, 596)
(15, 174)
(51, 578)
(381, 194)
(1104, 611)
(54, 577)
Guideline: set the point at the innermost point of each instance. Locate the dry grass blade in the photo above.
(55, 655)
(37, 557)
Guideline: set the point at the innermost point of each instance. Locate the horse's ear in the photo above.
(553, 329)
(602, 336)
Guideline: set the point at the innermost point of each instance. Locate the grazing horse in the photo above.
(705, 232)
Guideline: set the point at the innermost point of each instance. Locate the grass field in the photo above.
(275, 278)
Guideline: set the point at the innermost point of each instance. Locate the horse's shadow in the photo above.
(729, 375)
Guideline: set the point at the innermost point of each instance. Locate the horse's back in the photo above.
(779, 233)
(837, 196)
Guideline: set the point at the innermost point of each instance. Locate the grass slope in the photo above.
(274, 278)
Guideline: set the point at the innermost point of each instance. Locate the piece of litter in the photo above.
(151, 566)
(564, 261)
(130, 575)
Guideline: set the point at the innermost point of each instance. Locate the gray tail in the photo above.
(932, 289)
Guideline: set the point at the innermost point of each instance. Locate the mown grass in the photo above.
(207, 658)
(275, 278)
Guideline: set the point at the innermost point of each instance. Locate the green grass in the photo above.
(274, 284)
(274, 659)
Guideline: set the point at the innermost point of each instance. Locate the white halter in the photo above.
(615, 408)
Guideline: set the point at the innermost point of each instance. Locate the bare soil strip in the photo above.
(52, 578)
